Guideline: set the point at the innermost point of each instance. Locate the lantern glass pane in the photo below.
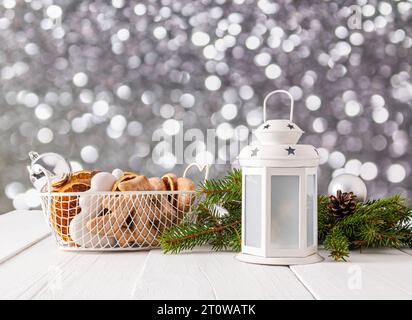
(310, 209)
(253, 210)
(285, 212)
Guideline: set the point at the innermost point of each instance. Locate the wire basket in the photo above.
(100, 221)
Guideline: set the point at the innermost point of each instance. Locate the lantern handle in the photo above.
(271, 94)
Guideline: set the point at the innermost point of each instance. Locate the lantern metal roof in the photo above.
(278, 143)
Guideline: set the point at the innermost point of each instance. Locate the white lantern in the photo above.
(279, 196)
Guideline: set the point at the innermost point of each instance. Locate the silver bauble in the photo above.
(48, 168)
(348, 183)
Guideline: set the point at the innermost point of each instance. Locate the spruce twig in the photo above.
(379, 223)
(210, 227)
(174, 244)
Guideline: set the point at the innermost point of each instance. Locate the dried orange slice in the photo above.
(57, 185)
(66, 207)
(170, 179)
(85, 175)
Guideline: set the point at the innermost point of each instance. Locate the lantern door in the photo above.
(290, 212)
(253, 207)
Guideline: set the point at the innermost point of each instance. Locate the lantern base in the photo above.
(313, 258)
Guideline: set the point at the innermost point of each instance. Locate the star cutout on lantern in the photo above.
(291, 126)
(254, 152)
(266, 126)
(290, 151)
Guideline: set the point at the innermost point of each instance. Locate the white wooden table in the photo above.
(32, 268)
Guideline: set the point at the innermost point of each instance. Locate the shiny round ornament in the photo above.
(348, 183)
(47, 169)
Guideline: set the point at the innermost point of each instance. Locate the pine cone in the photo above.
(342, 205)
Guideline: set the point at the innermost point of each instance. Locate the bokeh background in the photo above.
(94, 80)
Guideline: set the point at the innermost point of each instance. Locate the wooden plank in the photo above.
(45, 272)
(407, 250)
(372, 274)
(19, 230)
(210, 275)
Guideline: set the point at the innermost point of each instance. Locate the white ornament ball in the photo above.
(348, 183)
(117, 173)
(102, 181)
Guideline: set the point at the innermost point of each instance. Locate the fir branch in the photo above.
(379, 223)
(324, 223)
(184, 237)
(208, 225)
(187, 236)
(337, 244)
(210, 191)
(224, 190)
